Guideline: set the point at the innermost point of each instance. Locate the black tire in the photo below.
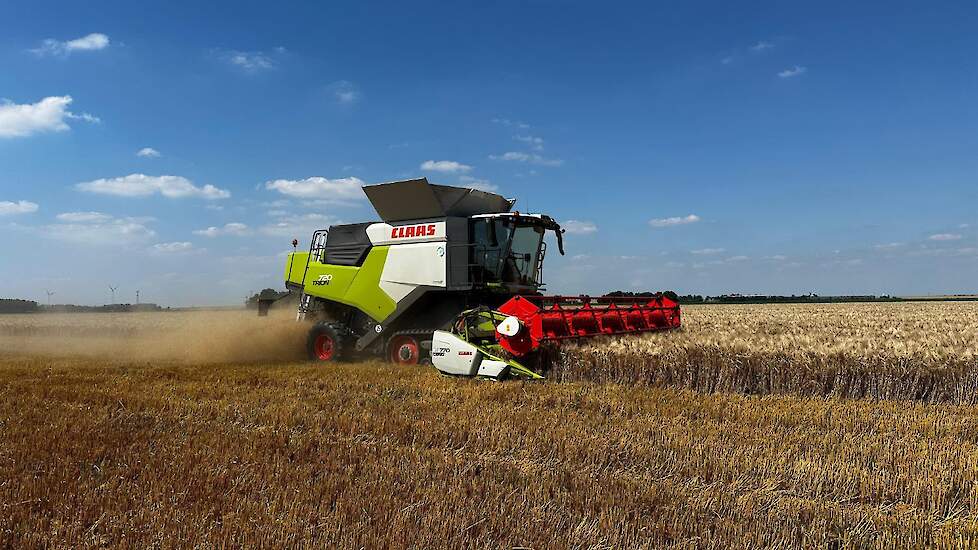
(325, 343)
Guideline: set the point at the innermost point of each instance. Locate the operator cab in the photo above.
(508, 249)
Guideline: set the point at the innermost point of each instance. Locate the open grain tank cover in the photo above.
(417, 200)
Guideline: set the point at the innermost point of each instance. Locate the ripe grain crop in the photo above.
(99, 453)
(202, 429)
(920, 351)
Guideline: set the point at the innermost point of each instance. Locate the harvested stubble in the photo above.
(919, 351)
(101, 452)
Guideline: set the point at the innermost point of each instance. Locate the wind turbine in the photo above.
(113, 289)
(49, 293)
(137, 297)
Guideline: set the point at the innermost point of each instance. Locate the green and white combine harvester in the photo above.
(450, 276)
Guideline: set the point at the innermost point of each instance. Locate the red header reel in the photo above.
(555, 318)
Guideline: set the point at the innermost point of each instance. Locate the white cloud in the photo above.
(792, 72)
(233, 229)
(738, 258)
(576, 227)
(20, 207)
(676, 220)
(945, 237)
(535, 142)
(708, 251)
(580, 257)
(141, 185)
(532, 158)
(113, 231)
(47, 115)
(297, 226)
(445, 166)
(761, 46)
(148, 152)
(335, 190)
(83, 217)
(92, 42)
(776, 257)
(478, 184)
(249, 62)
(172, 248)
(344, 92)
(511, 123)
(888, 246)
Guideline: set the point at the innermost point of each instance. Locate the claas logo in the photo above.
(408, 231)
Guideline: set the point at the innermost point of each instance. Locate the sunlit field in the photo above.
(791, 425)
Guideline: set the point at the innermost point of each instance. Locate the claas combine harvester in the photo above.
(450, 276)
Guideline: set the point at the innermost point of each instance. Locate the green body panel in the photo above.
(351, 285)
(295, 267)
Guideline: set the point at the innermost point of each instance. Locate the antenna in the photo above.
(49, 293)
(113, 289)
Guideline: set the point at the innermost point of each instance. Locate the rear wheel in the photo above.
(404, 350)
(325, 343)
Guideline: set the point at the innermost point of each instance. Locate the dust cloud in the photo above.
(191, 337)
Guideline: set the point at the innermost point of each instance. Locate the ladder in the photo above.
(317, 250)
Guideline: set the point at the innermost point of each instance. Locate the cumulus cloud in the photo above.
(478, 184)
(91, 42)
(793, 72)
(945, 237)
(232, 229)
(250, 62)
(172, 248)
(47, 115)
(8, 208)
(576, 227)
(148, 152)
(445, 166)
(708, 251)
(100, 230)
(344, 92)
(297, 226)
(332, 190)
(511, 123)
(676, 220)
(534, 142)
(83, 217)
(530, 158)
(141, 185)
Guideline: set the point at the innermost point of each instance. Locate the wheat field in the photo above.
(204, 429)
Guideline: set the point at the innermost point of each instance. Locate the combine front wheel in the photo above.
(404, 350)
(324, 343)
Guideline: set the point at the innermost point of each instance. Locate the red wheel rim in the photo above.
(404, 350)
(324, 347)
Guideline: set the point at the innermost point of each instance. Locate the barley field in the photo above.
(755, 426)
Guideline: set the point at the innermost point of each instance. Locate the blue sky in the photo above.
(706, 147)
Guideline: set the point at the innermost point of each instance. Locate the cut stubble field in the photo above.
(754, 426)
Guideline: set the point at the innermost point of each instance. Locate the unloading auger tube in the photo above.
(452, 276)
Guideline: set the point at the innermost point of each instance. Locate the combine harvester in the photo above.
(449, 276)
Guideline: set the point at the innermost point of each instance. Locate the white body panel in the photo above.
(406, 232)
(452, 355)
(411, 265)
